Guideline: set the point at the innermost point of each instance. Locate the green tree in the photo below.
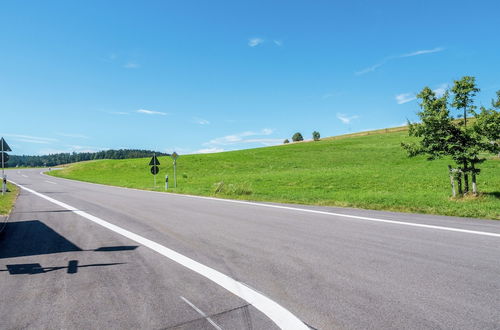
(443, 135)
(286, 141)
(316, 136)
(297, 137)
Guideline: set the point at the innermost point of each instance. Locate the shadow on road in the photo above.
(33, 237)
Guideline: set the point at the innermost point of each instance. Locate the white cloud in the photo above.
(31, 139)
(440, 90)
(405, 98)
(255, 42)
(73, 135)
(242, 138)
(131, 65)
(370, 69)
(209, 150)
(346, 119)
(201, 121)
(151, 112)
(118, 113)
(278, 43)
(390, 58)
(423, 51)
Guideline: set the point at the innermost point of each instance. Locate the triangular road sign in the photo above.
(4, 146)
(154, 161)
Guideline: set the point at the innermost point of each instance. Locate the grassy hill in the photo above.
(364, 170)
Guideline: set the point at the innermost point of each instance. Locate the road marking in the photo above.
(24, 175)
(277, 313)
(201, 313)
(395, 222)
(50, 182)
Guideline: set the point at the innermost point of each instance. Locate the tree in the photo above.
(316, 136)
(297, 137)
(286, 141)
(464, 91)
(443, 135)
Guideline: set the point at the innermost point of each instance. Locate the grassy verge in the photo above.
(7, 201)
(364, 170)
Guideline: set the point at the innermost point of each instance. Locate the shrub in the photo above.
(286, 141)
(297, 137)
(316, 136)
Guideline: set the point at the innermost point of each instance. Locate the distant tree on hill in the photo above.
(297, 137)
(286, 141)
(443, 135)
(316, 136)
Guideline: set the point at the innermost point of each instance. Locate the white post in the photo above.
(175, 173)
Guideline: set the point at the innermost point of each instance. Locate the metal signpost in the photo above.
(154, 162)
(174, 156)
(5, 158)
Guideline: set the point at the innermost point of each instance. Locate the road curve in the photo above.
(331, 268)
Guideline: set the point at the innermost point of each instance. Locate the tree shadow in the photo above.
(495, 194)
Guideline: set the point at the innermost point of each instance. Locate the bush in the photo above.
(297, 137)
(316, 136)
(286, 141)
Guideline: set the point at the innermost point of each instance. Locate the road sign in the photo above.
(4, 146)
(154, 161)
(4, 156)
(155, 169)
(174, 155)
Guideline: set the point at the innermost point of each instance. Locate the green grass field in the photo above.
(7, 200)
(365, 170)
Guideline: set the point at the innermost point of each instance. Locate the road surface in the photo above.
(76, 255)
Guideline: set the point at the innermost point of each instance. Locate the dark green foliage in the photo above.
(443, 135)
(286, 141)
(297, 137)
(66, 158)
(316, 136)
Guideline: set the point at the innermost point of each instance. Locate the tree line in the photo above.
(66, 158)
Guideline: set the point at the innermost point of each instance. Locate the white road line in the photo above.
(201, 313)
(394, 222)
(50, 182)
(277, 313)
(24, 175)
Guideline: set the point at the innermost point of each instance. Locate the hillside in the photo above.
(364, 170)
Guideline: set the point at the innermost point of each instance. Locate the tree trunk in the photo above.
(459, 183)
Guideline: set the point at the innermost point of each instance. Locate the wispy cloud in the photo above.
(390, 58)
(278, 43)
(201, 121)
(405, 98)
(408, 97)
(244, 137)
(73, 135)
(209, 150)
(151, 112)
(31, 139)
(131, 65)
(252, 42)
(345, 118)
(118, 113)
(423, 51)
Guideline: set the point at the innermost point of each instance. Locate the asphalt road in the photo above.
(331, 268)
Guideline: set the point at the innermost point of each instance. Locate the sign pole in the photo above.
(154, 155)
(3, 173)
(175, 173)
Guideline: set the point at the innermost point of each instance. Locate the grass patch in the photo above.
(7, 201)
(365, 170)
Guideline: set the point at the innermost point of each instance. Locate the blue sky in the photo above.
(205, 76)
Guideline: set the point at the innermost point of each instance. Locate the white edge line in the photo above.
(201, 313)
(277, 313)
(411, 224)
(50, 182)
